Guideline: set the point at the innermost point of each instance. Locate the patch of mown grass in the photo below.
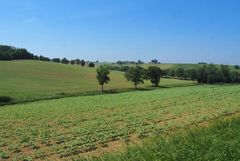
(220, 141)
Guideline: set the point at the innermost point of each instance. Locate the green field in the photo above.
(29, 80)
(91, 125)
(219, 140)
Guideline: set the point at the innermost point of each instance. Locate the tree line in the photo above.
(8, 53)
(209, 74)
(136, 75)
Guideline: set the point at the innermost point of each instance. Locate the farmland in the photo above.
(91, 125)
(216, 141)
(29, 80)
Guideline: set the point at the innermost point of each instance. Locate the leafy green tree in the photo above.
(56, 60)
(202, 74)
(91, 65)
(225, 74)
(72, 62)
(171, 73)
(235, 77)
(43, 58)
(153, 74)
(180, 73)
(236, 66)
(64, 61)
(82, 63)
(154, 61)
(212, 74)
(78, 62)
(135, 75)
(102, 75)
(191, 74)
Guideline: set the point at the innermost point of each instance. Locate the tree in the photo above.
(225, 74)
(78, 62)
(72, 62)
(236, 66)
(102, 75)
(35, 57)
(235, 77)
(154, 61)
(192, 74)
(140, 62)
(91, 65)
(180, 73)
(82, 62)
(171, 73)
(56, 60)
(153, 74)
(135, 75)
(202, 74)
(165, 72)
(64, 61)
(43, 58)
(212, 74)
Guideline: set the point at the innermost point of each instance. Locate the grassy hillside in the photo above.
(68, 127)
(26, 80)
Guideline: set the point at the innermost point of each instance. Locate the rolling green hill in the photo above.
(29, 80)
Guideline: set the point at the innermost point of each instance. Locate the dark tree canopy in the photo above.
(83, 63)
(135, 75)
(12, 53)
(43, 58)
(180, 73)
(56, 60)
(102, 75)
(153, 74)
(154, 61)
(191, 74)
(65, 61)
(91, 65)
(72, 62)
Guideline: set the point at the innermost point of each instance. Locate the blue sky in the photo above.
(180, 31)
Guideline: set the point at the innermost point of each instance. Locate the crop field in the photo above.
(216, 140)
(88, 126)
(29, 80)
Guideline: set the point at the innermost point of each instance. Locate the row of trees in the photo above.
(153, 61)
(206, 74)
(12, 53)
(136, 75)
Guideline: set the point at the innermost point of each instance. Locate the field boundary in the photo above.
(92, 93)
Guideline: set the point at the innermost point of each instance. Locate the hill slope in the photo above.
(28, 79)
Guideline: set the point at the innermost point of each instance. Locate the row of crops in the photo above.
(68, 127)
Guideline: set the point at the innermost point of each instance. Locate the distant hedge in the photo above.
(5, 99)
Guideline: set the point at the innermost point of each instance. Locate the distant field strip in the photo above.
(72, 126)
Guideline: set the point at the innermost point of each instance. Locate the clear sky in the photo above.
(180, 31)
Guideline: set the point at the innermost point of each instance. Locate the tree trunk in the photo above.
(135, 86)
(102, 88)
